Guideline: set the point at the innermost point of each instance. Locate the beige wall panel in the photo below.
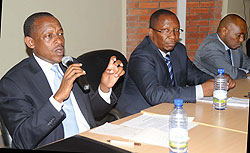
(88, 25)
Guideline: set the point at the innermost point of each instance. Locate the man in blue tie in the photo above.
(223, 49)
(151, 80)
(40, 102)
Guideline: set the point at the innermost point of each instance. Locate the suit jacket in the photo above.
(147, 82)
(27, 112)
(212, 55)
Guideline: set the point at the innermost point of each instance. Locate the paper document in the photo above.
(232, 101)
(146, 128)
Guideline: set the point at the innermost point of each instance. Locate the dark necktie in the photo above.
(229, 53)
(170, 69)
(69, 123)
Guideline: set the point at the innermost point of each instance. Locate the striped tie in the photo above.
(229, 53)
(69, 123)
(170, 69)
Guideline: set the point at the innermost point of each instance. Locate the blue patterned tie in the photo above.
(69, 123)
(170, 69)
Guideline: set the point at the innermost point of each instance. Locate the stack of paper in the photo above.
(146, 128)
(232, 101)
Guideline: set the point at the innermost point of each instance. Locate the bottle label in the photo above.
(220, 96)
(178, 138)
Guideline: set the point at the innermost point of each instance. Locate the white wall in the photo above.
(87, 24)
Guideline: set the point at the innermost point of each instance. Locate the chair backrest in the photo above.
(7, 140)
(95, 62)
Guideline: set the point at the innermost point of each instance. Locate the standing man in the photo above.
(224, 49)
(159, 69)
(39, 99)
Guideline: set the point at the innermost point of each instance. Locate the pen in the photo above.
(124, 143)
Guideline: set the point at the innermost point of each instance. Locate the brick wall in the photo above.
(202, 18)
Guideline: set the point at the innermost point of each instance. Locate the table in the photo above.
(233, 118)
(202, 139)
(242, 88)
(224, 131)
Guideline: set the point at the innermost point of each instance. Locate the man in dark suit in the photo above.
(224, 49)
(31, 106)
(149, 81)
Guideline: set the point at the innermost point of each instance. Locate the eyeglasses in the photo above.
(168, 32)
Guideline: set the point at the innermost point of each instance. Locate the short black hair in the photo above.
(154, 17)
(29, 22)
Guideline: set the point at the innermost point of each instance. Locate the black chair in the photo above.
(7, 140)
(94, 63)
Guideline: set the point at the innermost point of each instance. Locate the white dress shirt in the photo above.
(80, 119)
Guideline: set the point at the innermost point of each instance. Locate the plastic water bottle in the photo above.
(220, 91)
(178, 128)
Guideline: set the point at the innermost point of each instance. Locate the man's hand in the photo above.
(112, 73)
(230, 82)
(208, 88)
(74, 71)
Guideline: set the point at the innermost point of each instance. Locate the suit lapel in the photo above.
(39, 79)
(175, 64)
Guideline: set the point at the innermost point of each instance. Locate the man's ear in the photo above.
(29, 42)
(150, 32)
(224, 31)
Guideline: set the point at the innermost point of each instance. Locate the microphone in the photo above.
(82, 81)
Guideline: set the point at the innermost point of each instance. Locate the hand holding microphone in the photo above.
(82, 81)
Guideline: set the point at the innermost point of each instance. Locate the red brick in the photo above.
(144, 18)
(204, 29)
(200, 40)
(148, 5)
(198, 22)
(191, 41)
(192, 17)
(138, 11)
(132, 18)
(206, 16)
(174, 10)
(132, 43)
(193, 4)
(216, 10)
(132, 5)
(152, 11)
(137, 24)
(199, 10)
(130, 30)
(163, 0)
(217, 15)
(218, 3)
(143, 30)
(214, 22)
(193, 46)
(191, 28)
(207, 4)
(136, 36)
(197, 35)
(138, 1)
(168, 4)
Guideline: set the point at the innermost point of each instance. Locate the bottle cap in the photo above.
(220, 71)
(178, 102)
